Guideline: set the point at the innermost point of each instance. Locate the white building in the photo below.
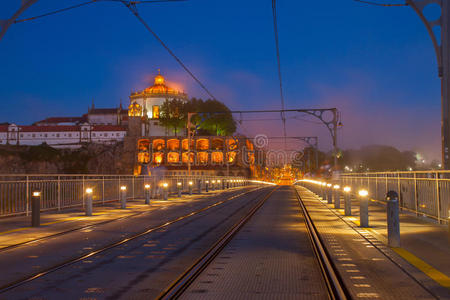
(151, 99)
(62, 136)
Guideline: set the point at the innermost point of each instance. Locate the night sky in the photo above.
(375, 64)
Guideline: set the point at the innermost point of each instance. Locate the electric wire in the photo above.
(381, 4)
(61, 10)
(275, 28)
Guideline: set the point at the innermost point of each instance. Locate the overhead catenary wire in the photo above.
(275, 29)
(131, 5)
(381, 4)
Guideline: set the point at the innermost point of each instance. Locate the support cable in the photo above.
(275, 28)
(381, 4)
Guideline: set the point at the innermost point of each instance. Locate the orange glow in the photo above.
(251, 158)
(185, 144)
(217, 157)
(155, 110)
(143, 157)
(158, 144)
(173, 144)
(158, 158)
(249, 145)
(232, 144)
(217, 144)
(202, 144)
(173, 157)
(185, 157)
(134, 110)
(144, 145)
(202, 157)
(231, 156)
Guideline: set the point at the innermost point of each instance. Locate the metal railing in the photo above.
(65, 191)
(423, 192)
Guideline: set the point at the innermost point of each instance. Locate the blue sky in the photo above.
(375, 64)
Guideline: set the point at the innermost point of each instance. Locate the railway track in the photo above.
(78, 229)
(29, 278)
(334, 284)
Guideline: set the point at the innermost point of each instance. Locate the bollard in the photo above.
(36, 209)
(206, 186)
(190, 187)
(88, 202)
(347, 201)
(179, 188)
(123, 197)
(147, 193)
(329, 194)
(363, 208)
(393, 219)
(165, 191)
(337, 196)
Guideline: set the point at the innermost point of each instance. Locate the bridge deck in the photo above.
(271, 257)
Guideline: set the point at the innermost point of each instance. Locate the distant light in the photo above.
(363, 193)
(190, 183)
(218, 181)
(165, 184)
(147, 186)
(336, 186)
(440, 165)
(324, 183)
(213, 181)
(347, 189)
(88, 191)
(179, 183)
(329, 184)
(410, 169)
(36, 194)
(207, 181)
(123, 188)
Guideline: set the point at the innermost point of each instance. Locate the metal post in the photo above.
(347, 201)
(363, 208)
(88, 202)
(329, 193)
(147, 193)
(28, 196)
(199, 186)
(123, 197)
(337, 197)
(190, 187)
(36, 209)
(179, 186)
(393, 219)
(59, 193)
(165, 191)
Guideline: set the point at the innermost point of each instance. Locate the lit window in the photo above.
(155, 110)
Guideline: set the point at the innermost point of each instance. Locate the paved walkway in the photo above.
(424, 244)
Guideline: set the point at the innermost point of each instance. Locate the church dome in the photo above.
(159, 89)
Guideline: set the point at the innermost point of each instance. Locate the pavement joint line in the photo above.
(425, 268)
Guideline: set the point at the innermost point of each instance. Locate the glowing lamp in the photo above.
(363, 193)
(165, 185)
(88, 191)
(123, 188)
(191, 183)
(207, 181)
(347, 189)
(36, 194)
(179, 183)
(336, 186)
(147, 186)
(329, 184)
(213, 181)
(218, 181)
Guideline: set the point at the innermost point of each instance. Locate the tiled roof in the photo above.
(109, 128)
(61, 120)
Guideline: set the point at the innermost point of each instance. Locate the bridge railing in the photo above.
(65, 191)
(423, 192)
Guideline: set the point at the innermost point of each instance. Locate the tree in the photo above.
(173, 115)
(213, 118)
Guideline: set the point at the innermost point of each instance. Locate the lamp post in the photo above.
(337, 196)
(347, 201)
(206, 186)
(179, 186)
(36, 209)
(363, 208)
(147, 193)
(165, 190)
(213, 185)
(123, 197)
(190, 187)
(329, 193)
(89, 201)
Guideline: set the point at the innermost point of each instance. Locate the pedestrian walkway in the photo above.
(16, 230)
(424, 244)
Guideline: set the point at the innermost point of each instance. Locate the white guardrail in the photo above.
(423, 192)
(66, 191)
